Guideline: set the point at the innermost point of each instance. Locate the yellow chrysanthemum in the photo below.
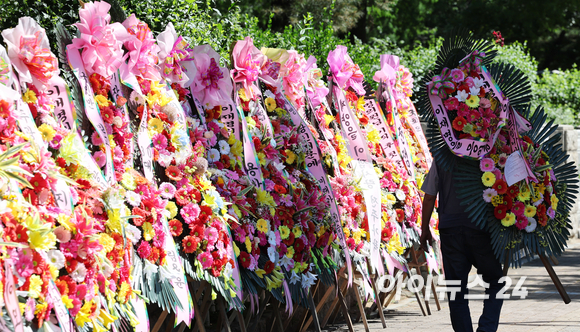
(107, 242)
(248, 244)
(102, 101)
(270, 104)
(284, 232)
(155, 126)
(346, 232)
(472, 101)
(242, 94)
(172, 208)
(509, 219)
(128, 181)
(488, 179)
(29, 97)
(148, 232)
(496, 200)
(290, 156)
(290, 252)
(524, 195)
(35, 287)
(280, 112)
(262, 226)
(554, 200)
(47, 132)
(262, 158)
(530, 211)
(236, 249)
(297, 231)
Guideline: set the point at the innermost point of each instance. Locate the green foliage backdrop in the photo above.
(221, 24)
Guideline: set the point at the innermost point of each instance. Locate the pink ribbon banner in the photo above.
(91, 108)
(377, 119)
(63, 107)
(10, 299)
(143, 139)
(469, 148)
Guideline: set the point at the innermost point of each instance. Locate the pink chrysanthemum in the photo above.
(167, 190)
(486, 165)
(206, 259)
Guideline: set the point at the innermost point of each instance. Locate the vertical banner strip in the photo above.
(91, 109)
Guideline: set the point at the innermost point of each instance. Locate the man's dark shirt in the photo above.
(451, 212)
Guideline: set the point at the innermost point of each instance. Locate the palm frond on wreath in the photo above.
(513, 83)
(510, 242)
(217, 283)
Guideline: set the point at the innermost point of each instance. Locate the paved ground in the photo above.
(542, 310)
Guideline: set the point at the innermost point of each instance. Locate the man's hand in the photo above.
(426, 237)
(428, 205)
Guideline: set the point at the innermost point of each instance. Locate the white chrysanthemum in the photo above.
(137, 98)
(165, 159)
(56, 258)
(224, 147)
(80, 273)
(133, 233)
(132, 198)
(400, 194)
(488, 194)
(532, 224)
(213, 155)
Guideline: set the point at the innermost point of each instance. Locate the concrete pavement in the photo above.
(542, 310)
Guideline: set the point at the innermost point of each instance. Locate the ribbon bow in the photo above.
(171, 66)
(40, 61)
(247, 61)
(472, 62)
(442, 82)
(345, 72)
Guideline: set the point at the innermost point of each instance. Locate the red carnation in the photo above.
(190, 244)
(269, 267)
(500, 211)
(245, 259)
(459, 123)
(175, 227)
(500, 186)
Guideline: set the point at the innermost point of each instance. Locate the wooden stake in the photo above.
(345, 311)
(223, 314)
(361, 308)
(555, 279)
(160, 320)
